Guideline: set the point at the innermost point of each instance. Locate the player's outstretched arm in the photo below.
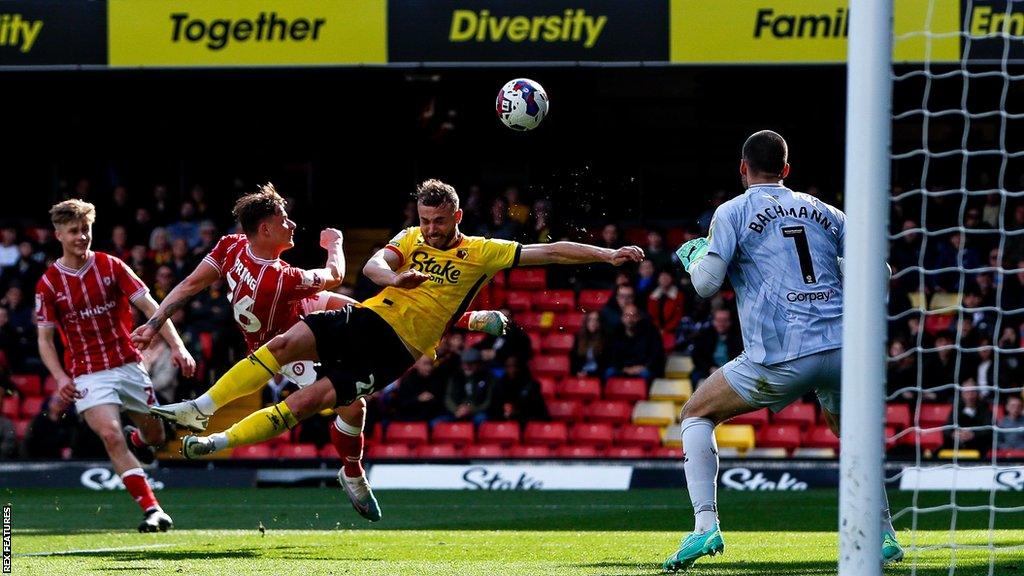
(48, 353)
(204, 275)
(179, 354)
(576, 253)
(333, 271)
(380, 268)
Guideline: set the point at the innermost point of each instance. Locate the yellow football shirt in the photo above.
(421, 316)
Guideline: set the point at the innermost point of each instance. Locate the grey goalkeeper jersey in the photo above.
(781, 248)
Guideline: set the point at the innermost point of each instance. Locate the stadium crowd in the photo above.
(620, 323)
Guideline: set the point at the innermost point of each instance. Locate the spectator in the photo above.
(519, 395)
(165, 282)
(983, 320)
(646, 281)
(1012, 420)
(993, 209)
(141, 227)
(162, 211)
(518, 212)
(1014, 243)
(940, 369)
(469, 392)
(541, 227)
(186, 226)
(420, 394)
(473, 213)
(656, 252)
(500, 226)
(8, 439)
(8, 246)
(948, 255)
(181, 259)
(207, 240)
(495, 350)
(119, 211)
(589, 348)
(610, 237)
(118, 245)
(704, 220)
(611, 314)
(26, 271)
(51, 432)
(159, 247)
(138, 261)
(665, 304)
(636, 348)
(20, 311)
(901, 374)
(972, 412)
(715, 345)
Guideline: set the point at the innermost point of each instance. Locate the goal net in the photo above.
(956, 304)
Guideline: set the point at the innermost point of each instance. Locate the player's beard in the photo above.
(445, 242)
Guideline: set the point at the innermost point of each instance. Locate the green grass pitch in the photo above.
(314, 531)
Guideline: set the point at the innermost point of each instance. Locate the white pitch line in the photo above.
(98, 550)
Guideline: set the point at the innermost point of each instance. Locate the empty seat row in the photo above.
(508, 434)
(524, 451)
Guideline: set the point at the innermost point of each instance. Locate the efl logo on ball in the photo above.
(522, 104)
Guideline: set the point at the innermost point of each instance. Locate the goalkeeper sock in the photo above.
(700, 463)
(244, 378)
(886, 516)
(348, 441)
(260, 425)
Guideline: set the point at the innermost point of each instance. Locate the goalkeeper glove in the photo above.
(490, 322)
(692, 251)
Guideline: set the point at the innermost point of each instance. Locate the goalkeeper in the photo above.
(781, 251)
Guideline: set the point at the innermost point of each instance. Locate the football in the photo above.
(522, 104)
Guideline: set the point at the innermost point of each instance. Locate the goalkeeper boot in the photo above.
(694, 546)
(145, 453)
(183, 414)
(193, 447)
(892, 552)
(156, 520)
(360, 495)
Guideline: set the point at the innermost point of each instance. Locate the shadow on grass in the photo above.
(172, 555)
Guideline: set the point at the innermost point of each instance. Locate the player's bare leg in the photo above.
(145, 437)
(347, 438)
(713, 402)
(266, 423)
(244, 378)
(891, 549)
(105, 421)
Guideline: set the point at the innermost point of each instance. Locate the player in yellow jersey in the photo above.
(431, 273)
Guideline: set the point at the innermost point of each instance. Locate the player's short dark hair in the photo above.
(252, 209)
(766, 152)
(434, 192)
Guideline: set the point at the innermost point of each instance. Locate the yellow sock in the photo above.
(245, 377)
(261, 425)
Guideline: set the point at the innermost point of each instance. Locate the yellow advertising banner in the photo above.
(246, 32)
(803, 31)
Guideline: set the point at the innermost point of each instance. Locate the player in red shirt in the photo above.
(268, 296)
(85, 296)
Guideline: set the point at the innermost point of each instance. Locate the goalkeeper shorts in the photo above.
(779, 385)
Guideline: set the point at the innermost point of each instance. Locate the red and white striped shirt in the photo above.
(90, 307)
(266, 295)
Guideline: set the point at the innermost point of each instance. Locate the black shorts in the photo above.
(359, 352)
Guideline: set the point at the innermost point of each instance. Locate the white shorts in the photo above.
(127, 386)
(779, 385)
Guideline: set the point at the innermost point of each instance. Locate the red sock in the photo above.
(350, 449)
(136, 484)
(137, 439)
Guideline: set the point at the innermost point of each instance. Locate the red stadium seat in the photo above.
(519, 300)
(641, 436)
(576, 452)
(282, 438)
(636, 235)
(591, 300)
(388, 451)
(546, 433)
(565, 410)
(591, 434)
(897, 416)
(30, 407)
(28, 384)
(617, 452)
(10, 409)
(570, 322)
(548, 385)
(625, 389)
(550, 365)
(1007, 455)
(411, 433)
(328, 451)
(500, 279)
(555, 300)
(802, 414)
(668, 341)
(821, 437)
(935, 323)
(930, 440)
(531, 321)
(756, 418)
(484, 451)
(297, 451)
(253, 452)
(503, 433)
(609, 411)
(455, 433)
(49, 386)
(435, 451)
(558, 343)
(536, 341)
(779, 436)
(667, 452)
(528, 279)
(21, 428)
(521, 451)
(474, 338)
(376, 432)
(890, 440)
(934, 415)
(577, 388)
